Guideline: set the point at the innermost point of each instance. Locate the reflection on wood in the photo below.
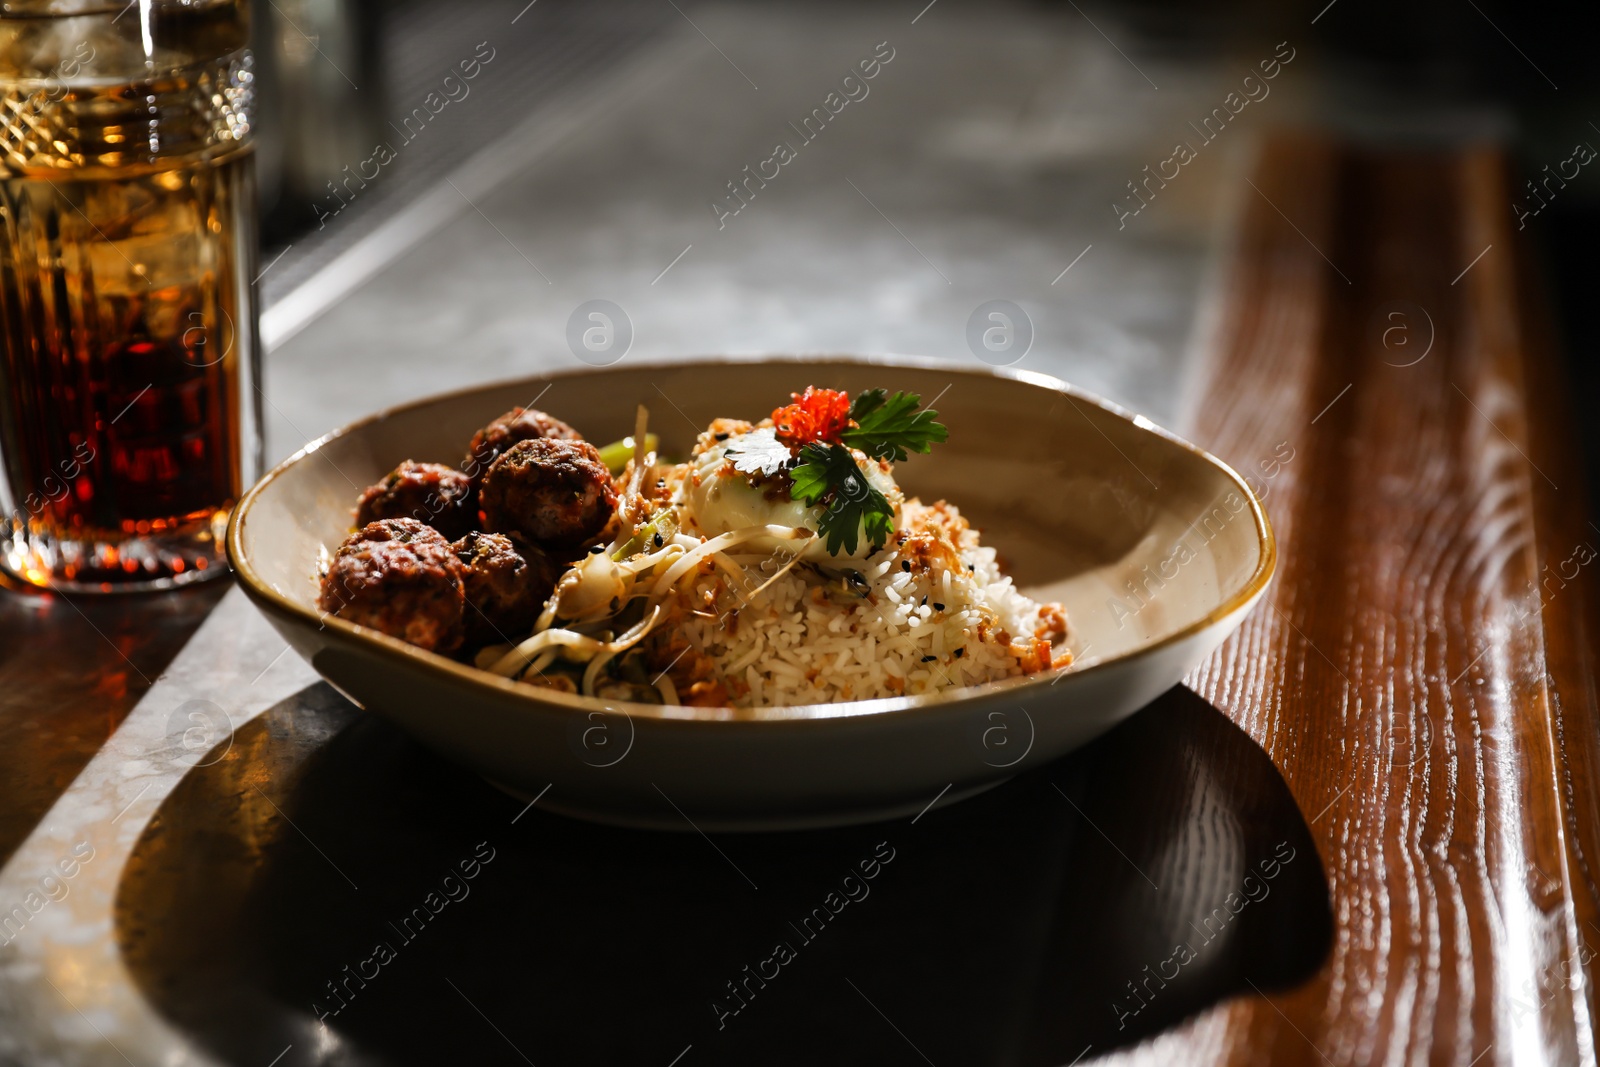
(1420, 669)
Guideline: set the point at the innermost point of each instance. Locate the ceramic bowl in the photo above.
(1157, 550)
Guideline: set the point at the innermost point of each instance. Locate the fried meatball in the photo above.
(556, 494)
(431, 493)
(518, 424)
(400, 577)
(506, 585)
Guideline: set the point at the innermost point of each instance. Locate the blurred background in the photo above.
(455, 226)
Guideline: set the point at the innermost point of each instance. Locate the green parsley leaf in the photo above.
(811, 480)
(890, 428)
(866, 401)
(829, 472)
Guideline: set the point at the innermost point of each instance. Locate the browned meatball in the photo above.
(400, 577)
(506, 584)
(556, 494)
(518, 424)
(431, 493)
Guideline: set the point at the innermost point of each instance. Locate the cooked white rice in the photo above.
(914, 621)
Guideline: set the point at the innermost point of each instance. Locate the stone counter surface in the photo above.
(980, 162)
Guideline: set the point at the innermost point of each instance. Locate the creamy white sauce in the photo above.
(723, 502)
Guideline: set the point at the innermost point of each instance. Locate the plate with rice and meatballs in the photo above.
(758, 595)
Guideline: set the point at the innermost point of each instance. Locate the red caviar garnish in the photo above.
(817, 415)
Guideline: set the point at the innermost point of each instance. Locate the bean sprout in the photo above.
(690, 559)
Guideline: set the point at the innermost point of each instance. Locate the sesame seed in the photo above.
(960, 652)
(929, 659)
(595, 550)
(905, 564)
(723, 436)
(659, 541)
(936, 605)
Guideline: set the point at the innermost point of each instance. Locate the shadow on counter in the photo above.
(332, 893)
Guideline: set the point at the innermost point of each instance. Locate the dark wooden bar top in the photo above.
(1422, 672)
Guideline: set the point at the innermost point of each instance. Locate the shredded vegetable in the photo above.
(617, 453)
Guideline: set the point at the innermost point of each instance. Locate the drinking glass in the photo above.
(129, 380)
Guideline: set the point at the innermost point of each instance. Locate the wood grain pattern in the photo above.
(1421, 672)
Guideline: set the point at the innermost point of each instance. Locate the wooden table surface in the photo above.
(1361, 835)
(1422, 672)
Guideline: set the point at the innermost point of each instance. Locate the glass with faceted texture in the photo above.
(129, 382)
